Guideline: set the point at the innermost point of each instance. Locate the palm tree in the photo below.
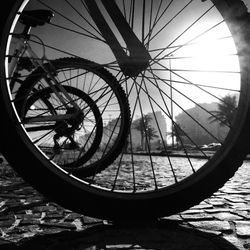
(226, 111)
(177, 132)
(143, 125)
(138, 125)
(151, 133)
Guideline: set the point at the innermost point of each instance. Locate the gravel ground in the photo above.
(30, 221)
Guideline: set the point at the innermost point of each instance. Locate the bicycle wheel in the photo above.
(69, 143)
(81, 144)
(184, 67)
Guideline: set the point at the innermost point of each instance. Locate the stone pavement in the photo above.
(29, 221)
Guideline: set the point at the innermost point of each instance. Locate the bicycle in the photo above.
(178, 62)
(63, 121)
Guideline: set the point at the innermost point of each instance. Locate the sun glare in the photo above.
(211, 62)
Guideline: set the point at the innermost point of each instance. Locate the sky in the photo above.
(247, 2)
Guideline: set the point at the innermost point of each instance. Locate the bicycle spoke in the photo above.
(193, 84)
(129, 99)
(193, 39)
(158, 127)
(152, 37)
(88, 33)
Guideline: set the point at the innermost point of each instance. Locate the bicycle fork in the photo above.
(139, 58)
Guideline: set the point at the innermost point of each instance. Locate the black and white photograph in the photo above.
(125, 124)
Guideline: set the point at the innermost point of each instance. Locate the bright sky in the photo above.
(247, 2)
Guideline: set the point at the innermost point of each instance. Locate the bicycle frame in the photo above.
(23, 48)
(139, 58)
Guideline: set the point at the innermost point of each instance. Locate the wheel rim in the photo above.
(96, 94)
(90, 124)
(166, 91)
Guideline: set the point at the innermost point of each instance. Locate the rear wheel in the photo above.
(83, 144)
(181, 146)
(69, 143)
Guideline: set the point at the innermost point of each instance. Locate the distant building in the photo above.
(195, 123)
(157, 123)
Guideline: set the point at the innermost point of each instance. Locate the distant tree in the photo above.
(226, 111)
(145, 129)
(150, 134)
(138, 125)
(178, 133)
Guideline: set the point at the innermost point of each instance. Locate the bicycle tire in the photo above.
(23, 108)
(84, 165)
(107, 203)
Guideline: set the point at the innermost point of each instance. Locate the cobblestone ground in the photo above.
(29, 221)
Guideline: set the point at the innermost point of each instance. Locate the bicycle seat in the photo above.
(33, 18)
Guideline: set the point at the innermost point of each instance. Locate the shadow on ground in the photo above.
(164, 234)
